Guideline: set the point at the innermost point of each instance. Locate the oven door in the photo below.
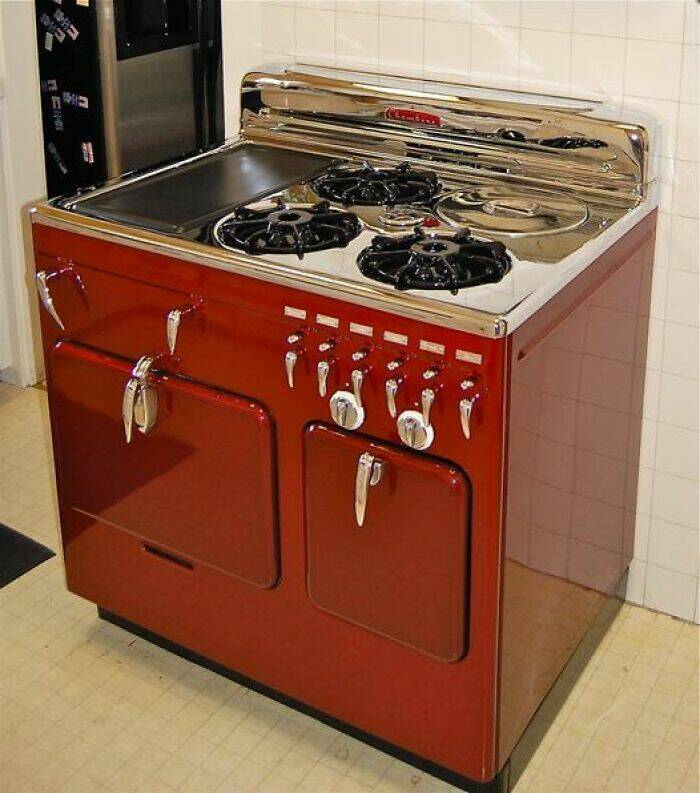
(197, 486)
(387, 540)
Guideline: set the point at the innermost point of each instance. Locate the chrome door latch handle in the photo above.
(173, 320)
(369, 473)
(140, 400)
(42, 278)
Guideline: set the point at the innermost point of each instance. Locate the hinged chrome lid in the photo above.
(555, 141)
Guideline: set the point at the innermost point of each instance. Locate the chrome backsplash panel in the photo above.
(455, 127)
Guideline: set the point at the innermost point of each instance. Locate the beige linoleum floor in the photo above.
(85, 706)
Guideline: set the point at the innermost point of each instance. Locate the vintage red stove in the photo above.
(350, 407)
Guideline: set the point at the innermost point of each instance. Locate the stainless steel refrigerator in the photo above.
(126, 84)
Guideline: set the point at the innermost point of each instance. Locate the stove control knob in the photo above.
(391, 387)
(322, 371)
(414, 431)
(290, 361)
(346, 406)
(346, 411)
(466, 407)
(427, 398)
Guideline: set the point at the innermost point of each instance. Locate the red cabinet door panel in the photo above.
(403, 574)
(199, 485)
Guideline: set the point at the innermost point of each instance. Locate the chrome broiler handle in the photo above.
(140, 400)
(369, 473)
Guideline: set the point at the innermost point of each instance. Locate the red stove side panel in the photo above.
(576, 390)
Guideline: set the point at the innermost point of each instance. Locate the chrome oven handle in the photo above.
(140, 400)
(369, 473)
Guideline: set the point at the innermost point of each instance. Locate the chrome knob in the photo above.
(357, 378)
(430, 374)
(427, 398)
(359, 355)
(391, 388)
(414, 431)
(290, 361)
(346, 410)
(466, 408)
(322, 371)
(294, 338)
(392, 366)
(326, 346)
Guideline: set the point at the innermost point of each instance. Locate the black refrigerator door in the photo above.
(71, 103)
(146, 26)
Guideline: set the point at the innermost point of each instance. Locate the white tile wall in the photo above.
(640, 53)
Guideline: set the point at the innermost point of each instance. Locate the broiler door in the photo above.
(387, 540)
(198, 485)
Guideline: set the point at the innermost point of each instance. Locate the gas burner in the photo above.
(511, 211)
(287, 228)
(422, 261)
(370, 186)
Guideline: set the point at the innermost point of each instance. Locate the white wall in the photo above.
(21, 182)
(640, 53)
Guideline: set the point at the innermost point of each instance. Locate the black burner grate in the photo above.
(371, 186)
(287, 229)
(420, 261)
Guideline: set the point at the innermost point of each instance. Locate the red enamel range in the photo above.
(350, 407)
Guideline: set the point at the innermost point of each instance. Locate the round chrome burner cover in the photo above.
(512, 211)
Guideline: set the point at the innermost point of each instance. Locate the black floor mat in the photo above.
(19, 554)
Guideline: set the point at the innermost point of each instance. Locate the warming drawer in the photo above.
(387, 540)
(198, 486)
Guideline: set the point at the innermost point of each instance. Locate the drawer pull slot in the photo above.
(167, 557)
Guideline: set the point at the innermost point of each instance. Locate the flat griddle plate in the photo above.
(192, 195)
